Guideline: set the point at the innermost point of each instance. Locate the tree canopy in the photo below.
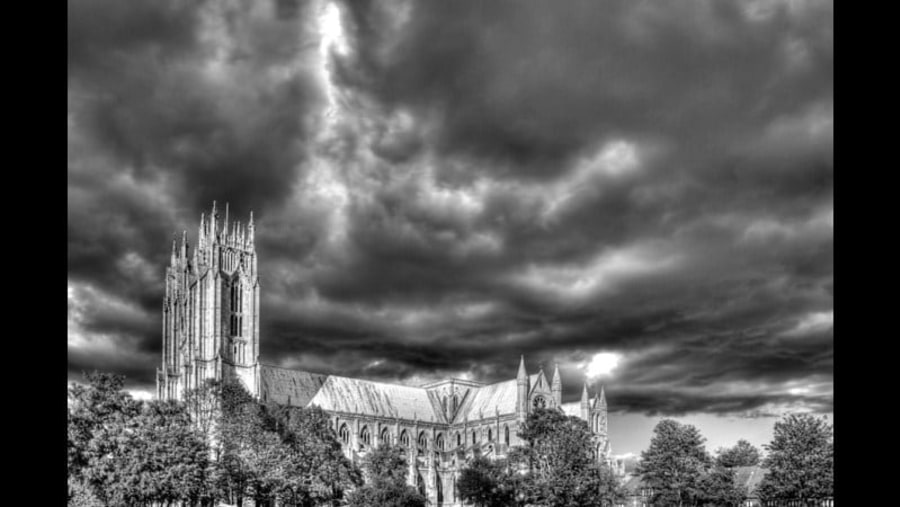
(743, 454)
(679, 471)
(800, 460)
(559, 465)
(386, 469)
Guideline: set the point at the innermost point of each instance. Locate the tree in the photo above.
(675, 463)
(99, 414)
(486, 483)
(800, 460)
(385, 469)
(717, 487)
(744, 454)
(559, 464)
(317, 472)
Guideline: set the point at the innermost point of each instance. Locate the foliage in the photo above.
(125, 452)
(717, 487)
(486, 483)
(800, 460)
(743, 454)
(316, 471)
(385, 468)
(675, 463)
(558, 464)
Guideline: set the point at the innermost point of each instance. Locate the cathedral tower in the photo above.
(211, 309)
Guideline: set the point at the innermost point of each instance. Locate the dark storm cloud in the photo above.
(462, 182)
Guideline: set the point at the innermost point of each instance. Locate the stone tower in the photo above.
(211, 309)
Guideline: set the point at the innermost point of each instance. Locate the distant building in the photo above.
(211, 331)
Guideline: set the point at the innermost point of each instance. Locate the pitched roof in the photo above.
(288, 387)
(344, 394)
(487, 400)
(749, 477)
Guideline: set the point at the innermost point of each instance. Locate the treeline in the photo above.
(799, 466)
(219, 445)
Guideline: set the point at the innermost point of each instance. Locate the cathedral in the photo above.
(211, 331)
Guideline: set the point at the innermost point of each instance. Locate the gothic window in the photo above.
(365, 436)
(422, 440)
(404, 438)
(506, 434)
(490, 435)
(344, 434)
(458, 439)
(385, 437)
(539, 402)
(473, 436)
(440, 489)
(439, 442)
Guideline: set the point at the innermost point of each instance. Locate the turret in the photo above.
(585, 404)
(522, 391)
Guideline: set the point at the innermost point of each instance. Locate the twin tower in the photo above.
(211, 308)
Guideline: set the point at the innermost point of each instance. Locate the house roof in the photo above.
(749, 477)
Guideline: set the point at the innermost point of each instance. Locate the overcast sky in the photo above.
(639, 191)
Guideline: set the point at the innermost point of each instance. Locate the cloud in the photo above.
(440, 187)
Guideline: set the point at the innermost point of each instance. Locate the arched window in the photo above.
(344, 433)
(364, 436)
(539, 402)
(385, 437)
(440, 488)
(422, 440)
(404, 438)
(473, 436)
(439, 442)
(458, 439)
(490, 435)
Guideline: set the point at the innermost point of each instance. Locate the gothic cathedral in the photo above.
(211, 331)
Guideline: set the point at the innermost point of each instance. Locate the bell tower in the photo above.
(211, 309)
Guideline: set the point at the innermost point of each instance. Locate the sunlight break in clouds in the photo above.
(601, 365)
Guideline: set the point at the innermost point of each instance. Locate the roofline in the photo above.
(470, 383)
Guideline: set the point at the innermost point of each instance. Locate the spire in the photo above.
(596, 401)
(174, 250)
(584, 395)
(184, 245)
(556, 380)
(251, 230)
(202, 233)
(225, 223)
(602, 402)
(522, 375)
(214, 223)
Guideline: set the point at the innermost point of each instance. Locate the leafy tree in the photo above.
(171, 456)
(558, 464)
(675, 463)
(486, 483)
(316, 471)
(385, 469)
(718, 487)
(743, 454)
(99, 414)
(800, 460)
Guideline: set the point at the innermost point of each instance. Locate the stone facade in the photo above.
(211, 331)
